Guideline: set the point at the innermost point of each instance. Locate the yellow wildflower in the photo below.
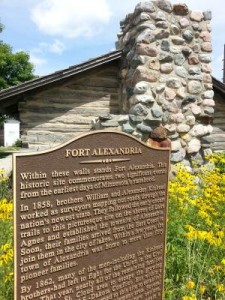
(220, 287)
(202, 235)
(6, 254)
(202, 289)
(190, 284)
(192, 297)
(6, 208)
(8, 277)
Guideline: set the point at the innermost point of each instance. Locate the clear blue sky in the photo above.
(61, 33)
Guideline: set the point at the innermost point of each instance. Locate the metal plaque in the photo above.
(90, 220)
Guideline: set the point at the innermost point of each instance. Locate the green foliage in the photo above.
(195, 266)
(18, 143)
(6, 252)
(6, 239)
(3, 118)
(15, 68)
(1, 27)
(219, 160)
(5, 186)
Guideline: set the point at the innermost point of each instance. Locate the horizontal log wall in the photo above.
(55, 115)
(217, 138)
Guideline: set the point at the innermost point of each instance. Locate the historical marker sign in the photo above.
(90, 220)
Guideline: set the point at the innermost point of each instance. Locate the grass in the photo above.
(4, 154)
(6, 151)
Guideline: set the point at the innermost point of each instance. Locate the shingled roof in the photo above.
(219, 86)
(8, 94)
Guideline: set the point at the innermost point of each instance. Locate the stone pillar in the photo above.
(167, 77)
